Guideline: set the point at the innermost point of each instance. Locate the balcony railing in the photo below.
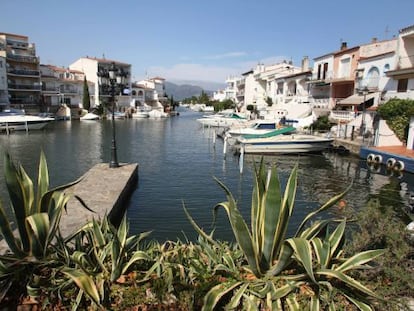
(24, 87)
(23, 58)
(339, 115)
(24, 72)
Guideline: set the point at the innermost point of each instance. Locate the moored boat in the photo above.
(223, 120)
(16, 120)
(284, 144)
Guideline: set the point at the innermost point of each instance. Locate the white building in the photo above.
(63, 86)
(402, 73)
(91, 66)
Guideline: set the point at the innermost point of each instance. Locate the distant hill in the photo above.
(181, 91)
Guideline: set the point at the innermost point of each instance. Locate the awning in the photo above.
(357, 99)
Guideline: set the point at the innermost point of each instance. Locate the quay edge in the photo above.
(105, 191)
(395, 158)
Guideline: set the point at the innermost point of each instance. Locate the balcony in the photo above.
(23, 87)
(24, 72)
(23, 58)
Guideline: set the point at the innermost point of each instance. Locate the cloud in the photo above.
(226, 55)
(212, 73)
(194, 72)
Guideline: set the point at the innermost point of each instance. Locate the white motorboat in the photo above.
(155, 113)
(257, 127)
(90, 116)
(284, 144)
(16, 120)
(223, 120)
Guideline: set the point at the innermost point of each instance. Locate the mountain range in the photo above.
(185, 89)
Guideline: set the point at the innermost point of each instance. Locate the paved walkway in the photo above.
(104, 190)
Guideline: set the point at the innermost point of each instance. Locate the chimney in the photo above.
(305, 63)
(343, 46)
(374, 40)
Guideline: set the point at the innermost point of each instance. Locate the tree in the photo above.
(203, 99)
(397, 113)
(86, 99)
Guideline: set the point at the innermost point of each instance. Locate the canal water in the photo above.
(178, 163)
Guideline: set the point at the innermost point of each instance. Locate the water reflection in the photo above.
(177, 162)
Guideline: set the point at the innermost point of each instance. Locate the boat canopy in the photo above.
(280, 131)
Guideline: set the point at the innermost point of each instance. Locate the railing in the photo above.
(23, 58)
(24, 72)
(14, 86)
(340, 115)
(328, 76)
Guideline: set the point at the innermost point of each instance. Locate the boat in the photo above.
(156, 114)
(142, 111)
(284, 144)
(90, 116)
(257, 127)
(223, 120)
(16, 120)
(117, 115)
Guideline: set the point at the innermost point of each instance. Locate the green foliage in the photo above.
(397, 113)
(86, 99)
(269, 101)
(223, 105)
(381, 225)
(280, 268)
(102, 254)
(321, 124)
(203, 98)
(37, 214)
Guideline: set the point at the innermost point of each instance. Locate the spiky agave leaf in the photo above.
(84, 282)
(42, 181)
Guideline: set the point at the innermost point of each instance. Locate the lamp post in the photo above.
(115, 77)
(364, 92)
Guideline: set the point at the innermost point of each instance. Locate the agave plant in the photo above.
(100, 255)
(37, 216)
(270, 255)
(36, 221)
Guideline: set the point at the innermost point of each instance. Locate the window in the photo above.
(345, 67)
(325, 70)
(402, 85)
(373, 77)
(386, 68)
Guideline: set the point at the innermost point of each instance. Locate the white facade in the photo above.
(402, 73)
(63, 86)
(375, 60)
(91, 66)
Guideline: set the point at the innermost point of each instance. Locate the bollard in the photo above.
(241, 159)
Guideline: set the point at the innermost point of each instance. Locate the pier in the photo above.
(104, 190)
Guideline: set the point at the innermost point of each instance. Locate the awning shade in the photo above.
(356, 99)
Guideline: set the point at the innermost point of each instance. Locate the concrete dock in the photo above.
(104, 190)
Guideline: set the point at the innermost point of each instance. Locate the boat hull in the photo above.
(285, 144)
(23, 123)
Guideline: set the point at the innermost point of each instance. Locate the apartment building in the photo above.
(90, 66)
(22, 73)
(63, 86)
(402, 72)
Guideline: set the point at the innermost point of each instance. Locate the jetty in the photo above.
(104, 190)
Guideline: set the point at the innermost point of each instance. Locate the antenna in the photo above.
(386, 31)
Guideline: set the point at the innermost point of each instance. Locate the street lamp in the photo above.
(115, 77)
(364, 92)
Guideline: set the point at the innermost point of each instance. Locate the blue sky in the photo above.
(199, 40)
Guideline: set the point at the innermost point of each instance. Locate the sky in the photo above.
(199, 40)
